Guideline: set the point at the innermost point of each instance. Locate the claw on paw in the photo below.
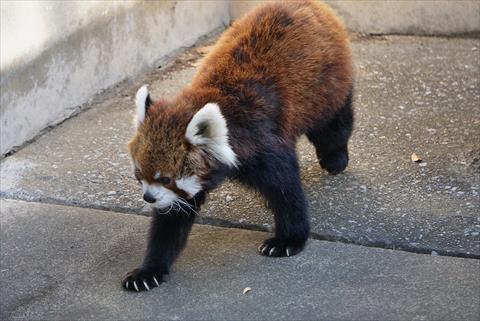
(146, 285)
(156, 281)
(277, 247)
(135, 286)
(143, 279)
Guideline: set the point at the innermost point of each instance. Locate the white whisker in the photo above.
(183, 210)
(190, 207)
(181, 201)
(167, 211)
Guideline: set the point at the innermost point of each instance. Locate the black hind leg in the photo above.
(276, 176)
(331, 139)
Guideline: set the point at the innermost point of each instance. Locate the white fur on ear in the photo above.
(141, 100)
(208, 128)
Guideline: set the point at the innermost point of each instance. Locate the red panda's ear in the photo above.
(208, 130)
(143, 103)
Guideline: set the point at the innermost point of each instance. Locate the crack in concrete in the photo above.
(211, 221)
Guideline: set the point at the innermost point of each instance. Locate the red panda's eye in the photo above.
(165, 180)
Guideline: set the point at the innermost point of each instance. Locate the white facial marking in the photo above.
(191, 185)
(140, 99)
(214, 133)
(163, 196)
(157, 175)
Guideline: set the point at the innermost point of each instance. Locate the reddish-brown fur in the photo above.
(296, 53)
(281, 71)
(301, 45)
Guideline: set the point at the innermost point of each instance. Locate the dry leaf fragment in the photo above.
(416, 159)
(246, 290)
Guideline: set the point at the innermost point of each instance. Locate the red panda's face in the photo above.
(173, 152)
(162, 166)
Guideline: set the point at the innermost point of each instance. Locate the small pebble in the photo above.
(111, 193)
(435, 253)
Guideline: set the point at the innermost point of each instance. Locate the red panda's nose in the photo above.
(148, 198)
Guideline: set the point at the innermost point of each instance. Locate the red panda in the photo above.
(281, 71)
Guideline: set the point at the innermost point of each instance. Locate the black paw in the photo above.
(336, 162)
(279, 247)
(142, 280)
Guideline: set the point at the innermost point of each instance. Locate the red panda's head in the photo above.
(174, 149)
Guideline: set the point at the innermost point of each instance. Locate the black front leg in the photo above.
(168, 236)
(276, 176)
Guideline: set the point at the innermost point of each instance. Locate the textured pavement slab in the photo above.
(65, 263)
(413, 95)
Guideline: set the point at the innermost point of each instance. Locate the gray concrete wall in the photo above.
(57, 55)
(437, 17)
(418, 17)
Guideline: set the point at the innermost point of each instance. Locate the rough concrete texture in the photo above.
(66, 47)
(413, 95)
(65, 263)
(439, 17)
(71, 67)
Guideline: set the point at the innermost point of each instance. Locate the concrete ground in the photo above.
(66, 263)
(413, 95)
